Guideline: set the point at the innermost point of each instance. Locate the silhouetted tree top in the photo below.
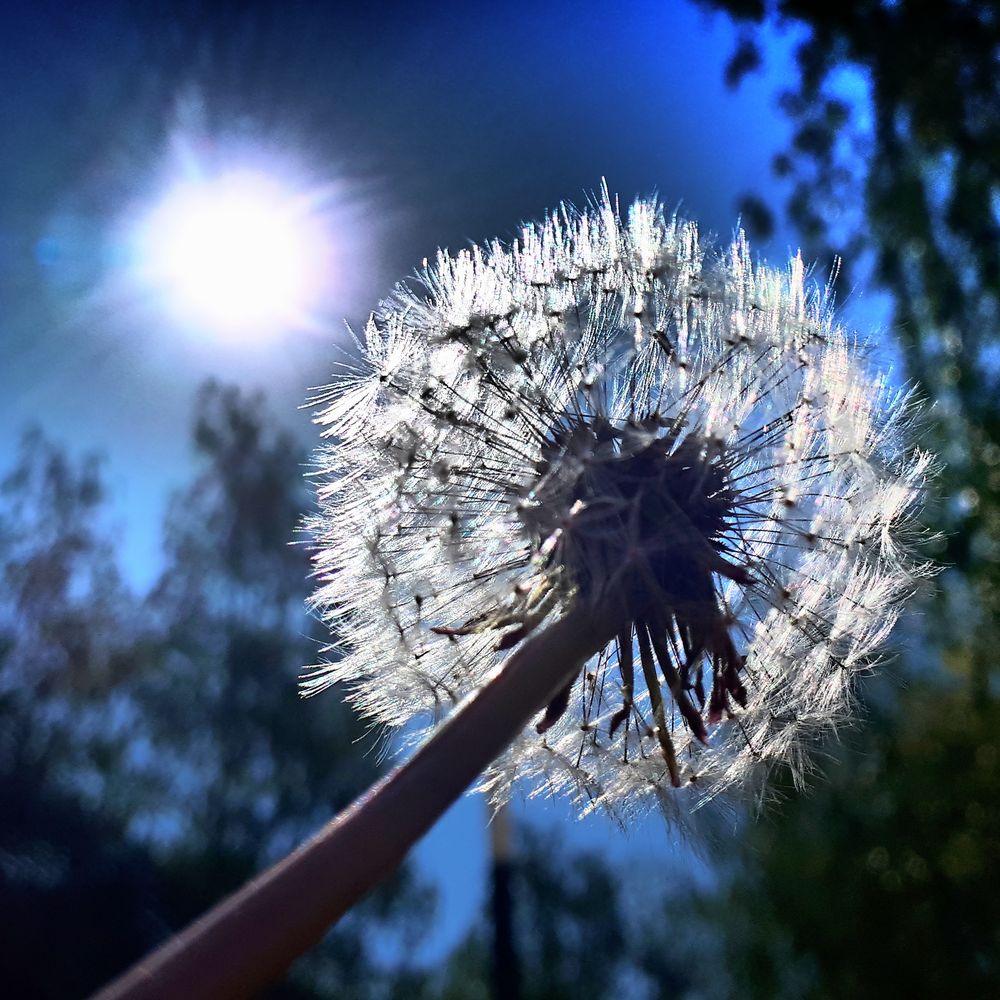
(916, 179)
(895, 158)
(154, 751)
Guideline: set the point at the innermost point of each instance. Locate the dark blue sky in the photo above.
(434, 124)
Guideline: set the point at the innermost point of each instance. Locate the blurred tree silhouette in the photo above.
(155, 753)
(880, 884)
(914, 183)
(880, 881)
(581, 928)
(247, 769)
(68, 629)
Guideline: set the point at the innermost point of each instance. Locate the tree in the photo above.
(879, 882)
(155, 752)
(247, 768)
(581, 927)
(68, 631)
(907, 175)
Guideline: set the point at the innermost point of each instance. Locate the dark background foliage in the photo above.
(879, 881)
(155, 752)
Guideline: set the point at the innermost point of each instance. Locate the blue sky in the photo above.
(452, 127)
(425, 126)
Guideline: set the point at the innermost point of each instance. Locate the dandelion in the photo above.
(677, 446)
(629, 516)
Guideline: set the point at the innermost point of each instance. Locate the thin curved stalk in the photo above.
(251, 937)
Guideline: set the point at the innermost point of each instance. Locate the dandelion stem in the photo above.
(251, 937)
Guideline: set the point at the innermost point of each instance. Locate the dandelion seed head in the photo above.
(607, 412)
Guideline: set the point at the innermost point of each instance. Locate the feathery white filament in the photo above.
(601, 404)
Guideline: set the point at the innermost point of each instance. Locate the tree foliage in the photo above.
(155, 752)
(894, 153)
(68, 629)
(879, 882)
(585, 928)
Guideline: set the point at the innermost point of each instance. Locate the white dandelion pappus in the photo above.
(606, 415)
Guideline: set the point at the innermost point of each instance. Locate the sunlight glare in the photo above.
(236, 255)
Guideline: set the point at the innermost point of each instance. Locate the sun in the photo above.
(239, 254)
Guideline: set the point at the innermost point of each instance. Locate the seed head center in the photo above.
(647, 513)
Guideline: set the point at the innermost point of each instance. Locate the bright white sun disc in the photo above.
(237, 254)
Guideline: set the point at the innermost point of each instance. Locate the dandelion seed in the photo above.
(607, 416)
